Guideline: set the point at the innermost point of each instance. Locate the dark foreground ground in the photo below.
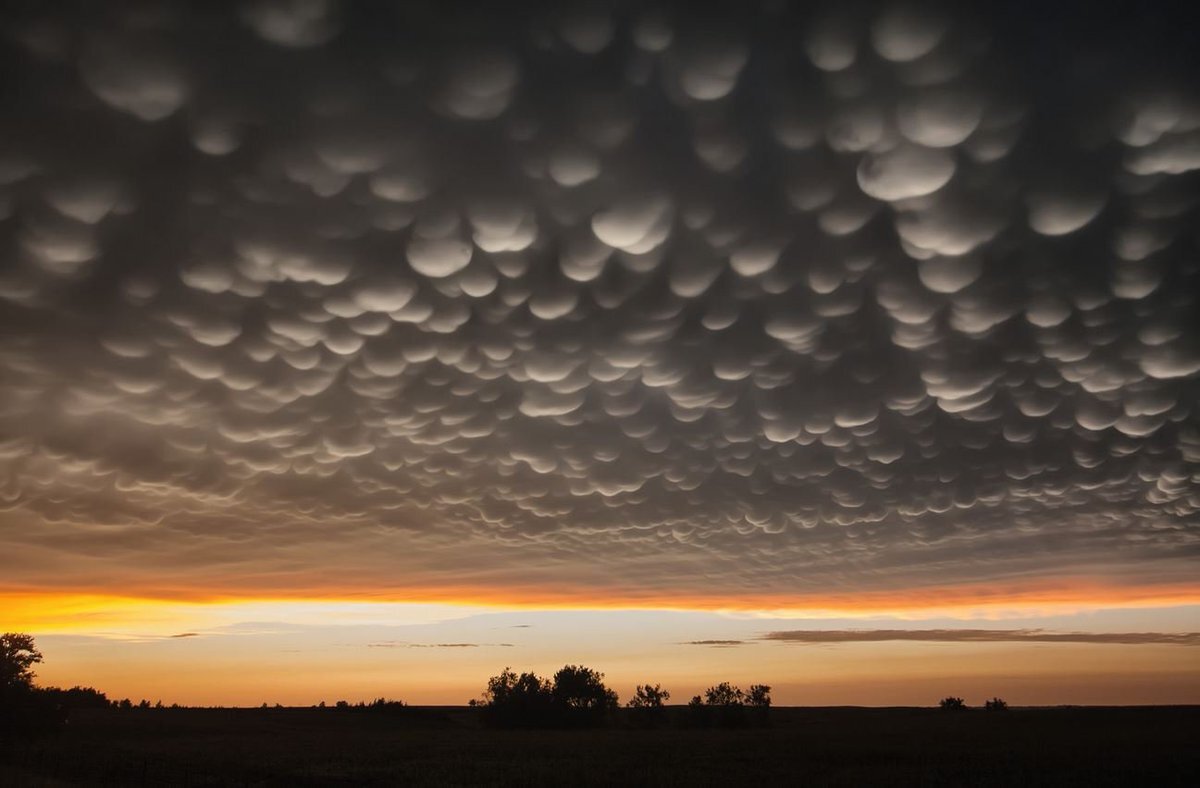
(434, 746)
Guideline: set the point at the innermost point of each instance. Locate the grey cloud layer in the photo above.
(984, 636)
(366, 295)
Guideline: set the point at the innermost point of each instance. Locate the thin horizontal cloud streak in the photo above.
(714, 643)
(828, 636)
(439, 645)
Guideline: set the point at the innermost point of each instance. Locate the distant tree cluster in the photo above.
(125, 704)
(379, 704)
(727, 706)
(953, 703)
(575, 698)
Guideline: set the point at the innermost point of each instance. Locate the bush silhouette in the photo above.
(996, 704)
(952, 703)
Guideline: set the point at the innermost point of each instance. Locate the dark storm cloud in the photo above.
(984, 636)
(774, 301)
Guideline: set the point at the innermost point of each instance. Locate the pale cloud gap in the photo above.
(354, 297)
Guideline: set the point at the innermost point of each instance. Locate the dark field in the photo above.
(445, 746)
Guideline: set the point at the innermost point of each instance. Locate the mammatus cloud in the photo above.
(825, 636)
(400, 297)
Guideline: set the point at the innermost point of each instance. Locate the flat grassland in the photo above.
(446, 746)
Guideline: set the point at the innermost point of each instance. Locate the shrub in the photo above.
(996, 704)
(952, 703)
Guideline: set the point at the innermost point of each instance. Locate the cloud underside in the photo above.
(601, 301)
(828, 636)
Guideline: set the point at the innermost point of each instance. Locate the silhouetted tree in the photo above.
(23, 709)
(18, 655)
(759, 696)
(647, 704)
(725, 703)
(758, 704)
(952, 703)
(723, 694)
(648, 696)
(996, 704)
(580, 697)
(518, 701)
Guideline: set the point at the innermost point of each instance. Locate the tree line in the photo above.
(574, 697)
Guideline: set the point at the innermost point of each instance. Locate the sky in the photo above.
(363, 349)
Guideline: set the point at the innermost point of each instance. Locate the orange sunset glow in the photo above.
(812, 354)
